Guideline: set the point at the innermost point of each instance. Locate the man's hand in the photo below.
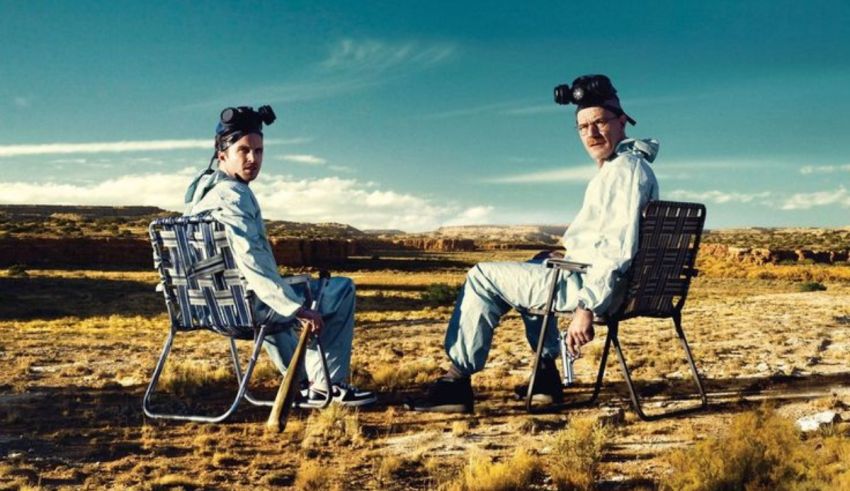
(580, 331)
(310, 319)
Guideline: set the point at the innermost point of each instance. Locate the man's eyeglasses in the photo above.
(601, 124)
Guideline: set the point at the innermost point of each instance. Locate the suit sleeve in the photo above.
(252, 252)
(624, 193)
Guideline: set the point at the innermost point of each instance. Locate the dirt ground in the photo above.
(77, 349)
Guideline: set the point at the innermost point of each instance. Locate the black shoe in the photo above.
(446, 395)
(547, 384)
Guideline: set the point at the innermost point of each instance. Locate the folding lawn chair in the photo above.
(658, 283)
(204, 290)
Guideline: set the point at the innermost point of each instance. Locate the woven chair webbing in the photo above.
(662, 270)
(200, 276)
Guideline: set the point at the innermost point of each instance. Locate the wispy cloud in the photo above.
(535, 109)
(350, 65)
(22, 102)
(362, 204)
(569, 174)
(824, 169)
(373, 55)
(804, 201)
(117, 147)
(720, 197)
(305, 159)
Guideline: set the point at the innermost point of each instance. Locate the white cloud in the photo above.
(824, 169)
(475, 215)
(805, 201)
(303, 159)
(350, 65)
(22, 102)
(719, 197)
(374, 55)
(363, 205)
(570, 174)
(118, 147)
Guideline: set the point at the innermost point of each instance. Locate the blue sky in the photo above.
(414, 115)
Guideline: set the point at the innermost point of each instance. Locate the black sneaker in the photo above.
(341, 393)
(446, 395)
(547, 384)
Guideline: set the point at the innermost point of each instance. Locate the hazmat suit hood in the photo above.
(647, 148)
(201, 185)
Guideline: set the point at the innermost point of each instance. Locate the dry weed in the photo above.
(334, 426)
(577, 452)
(175, 481)
(188, 380)
(759, 450)
(391, 377)
(482, 474)
(311, 476)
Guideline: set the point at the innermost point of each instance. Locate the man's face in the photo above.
(244, 158)
(600, 131)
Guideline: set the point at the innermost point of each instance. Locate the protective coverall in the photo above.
(603, 234)
(232, 202)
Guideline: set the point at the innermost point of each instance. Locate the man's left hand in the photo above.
(580, 331)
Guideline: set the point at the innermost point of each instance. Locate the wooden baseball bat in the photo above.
(286, 392)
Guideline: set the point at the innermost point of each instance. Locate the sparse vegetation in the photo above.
(577, 452)
(811, 286)
(440, 294)
(759, 450)
(484, 474)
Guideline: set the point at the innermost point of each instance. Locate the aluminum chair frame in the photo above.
(204, 290)
(658, 283)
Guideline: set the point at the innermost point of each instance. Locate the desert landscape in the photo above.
(768, 320)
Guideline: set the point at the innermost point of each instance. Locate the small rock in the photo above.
(814, 422)
(613, 416)
(762, 367)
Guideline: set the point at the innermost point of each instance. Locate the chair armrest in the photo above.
(566, 264)
(296, 279)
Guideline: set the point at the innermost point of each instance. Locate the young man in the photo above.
(603, 234)
(225, 193)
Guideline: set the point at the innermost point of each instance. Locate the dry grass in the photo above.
(577, 452)
(759, 450)
(754, 339)
(484, 474)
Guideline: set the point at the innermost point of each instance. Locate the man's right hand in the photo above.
(310, 319)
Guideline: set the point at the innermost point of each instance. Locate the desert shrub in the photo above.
(482, 474)
(390, 377)
(577, 452)
(17, 271)
(311, 476)
(811, 286)
(440, 294)
(335, 425)
(189, 380)
(175, 481)
(758, 450)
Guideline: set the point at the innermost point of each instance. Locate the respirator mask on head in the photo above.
(233, 124)
(591, 91)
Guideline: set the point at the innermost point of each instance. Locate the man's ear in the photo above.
(623, 120)
(221, 155)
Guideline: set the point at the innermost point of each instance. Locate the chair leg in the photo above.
(553, 285)
(234, 355)
(258, 342)
(633, 394)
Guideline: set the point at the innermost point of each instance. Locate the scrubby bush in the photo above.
(483, 474)
(577, 452)
(811, 286)
(440, 294)
(758, 450)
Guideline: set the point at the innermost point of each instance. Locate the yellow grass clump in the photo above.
(760, 450)
(334, 426)
(392, 376)
(187, 379)
(577, 452)
(482, 474)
